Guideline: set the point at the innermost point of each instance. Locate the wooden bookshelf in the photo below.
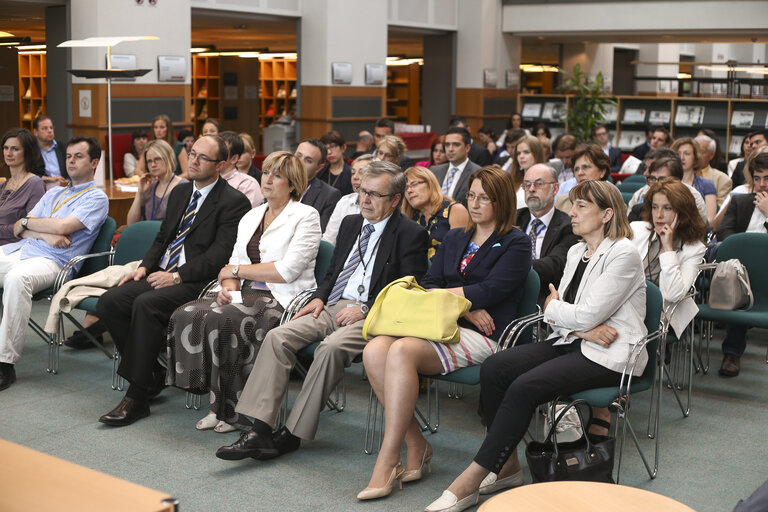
(32, 88)
(277, 83)
(403, 85)
(206, 90)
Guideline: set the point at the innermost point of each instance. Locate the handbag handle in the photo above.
(552, 436)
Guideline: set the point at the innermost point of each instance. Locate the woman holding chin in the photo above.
(597, 317)
(212, 344)
(156, 184)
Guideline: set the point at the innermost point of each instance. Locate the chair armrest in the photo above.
(208, 289)
(627, 373)
(65, 274)
(512, 332)
(296, 304)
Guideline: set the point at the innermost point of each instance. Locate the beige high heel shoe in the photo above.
(411, 475)
(370, 493)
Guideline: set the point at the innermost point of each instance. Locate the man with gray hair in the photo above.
(722, 182)
(373, 249)
(548, 228)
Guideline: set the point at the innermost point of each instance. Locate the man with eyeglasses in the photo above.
(381, 129)
(548, 228)
(195, 241)
(660, 168)
(319, 194)
(602, 138)
(372, 250)
(747, 213)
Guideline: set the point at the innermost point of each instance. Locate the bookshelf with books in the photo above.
(403, 86)
(206, 90)
(277, 81)
(32, 88)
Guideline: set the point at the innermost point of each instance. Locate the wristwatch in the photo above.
(176, 278)
(24, 222)
(235, 270)
(364, 309)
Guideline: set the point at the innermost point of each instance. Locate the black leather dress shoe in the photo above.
(7, 375)
(731, 366)
(79, 341)
(250, 444)
(285, 442)
(127, 411)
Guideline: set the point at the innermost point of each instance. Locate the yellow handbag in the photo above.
(403, 308)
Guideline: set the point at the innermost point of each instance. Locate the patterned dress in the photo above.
(437, 226)
(211, 348)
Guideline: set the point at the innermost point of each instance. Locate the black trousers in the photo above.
(735, 342)
(515, 381)
(136, 315)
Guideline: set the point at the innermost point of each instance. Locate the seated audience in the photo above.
(487, 139)
(504, 160)
(52, 151)
(383, 128)
(20, 193)
(131, 158)
(236, 179)
(62, 225)
(602, 138)
(528, 151)
(753, 140)
(597, 316)
(453, 175)
(745, 188)
(565, 146)
(662, 168)
(211, 126)
(349, 204)
(640, 150)
(590, 164)
(391, 247)
(390, 148)
(212, 346)
(690, 155)
(364, 144)
(494, 285)
(743, 153)
(515, 122)
(319, 194)
(187, 138)
(718, 159)
(194, 243)
(426, 204)
(477, 153)
(548, 228)
(722, 182)
(162, 128)
(747, 213)
(436, 153)
(541, 130)
(246, 164)
(336, 172)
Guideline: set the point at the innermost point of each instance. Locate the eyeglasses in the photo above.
(154, 161)
(484, 200)
(414, 184)
(653, 179)
(536, 184)
(372, 193)
(194, 155)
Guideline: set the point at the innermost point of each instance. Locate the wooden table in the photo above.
(119, 203)
(30, 480)
(581, 497)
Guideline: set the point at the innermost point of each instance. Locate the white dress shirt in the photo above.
(203, 194)
(756, 222)
(362, 274)
(456, 176)
(546, 219)
(347, 205)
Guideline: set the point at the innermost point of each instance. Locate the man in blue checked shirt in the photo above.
(62, 225)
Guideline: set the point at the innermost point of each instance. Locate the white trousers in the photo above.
(20, 279)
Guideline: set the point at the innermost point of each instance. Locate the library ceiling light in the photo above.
(6, 34)
(397, 61)
(100, 42)
(535, 68)
(683, 76)
(31, 47)
(198, 50)
(743, 69)
(270, 56)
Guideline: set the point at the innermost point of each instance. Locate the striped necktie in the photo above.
(536, 224)
(349, 268)
(174, 250)
(449, 180)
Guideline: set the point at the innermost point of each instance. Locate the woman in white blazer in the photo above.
(212, 345)
(597, 315)
(669, 240)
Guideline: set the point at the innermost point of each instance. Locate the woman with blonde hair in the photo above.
(597, 316)
(390, 149)
(426, 204)
(212, 345)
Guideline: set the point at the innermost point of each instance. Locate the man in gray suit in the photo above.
(454, 176)
(319, 194)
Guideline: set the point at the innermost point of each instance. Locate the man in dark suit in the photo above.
(602, 138)
(195, 241)
(640, 150)
(319, 194)
(548, 228)
(453, 176)
(53, 151)
(381, 129)
(372, 250)
(477, 153)
(746, 213)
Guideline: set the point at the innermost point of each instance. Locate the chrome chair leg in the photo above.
(375, 417)
(117, 380)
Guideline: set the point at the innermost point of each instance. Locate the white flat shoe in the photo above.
(491, 483)
(223, 428)
(448, 502)
(208, 422)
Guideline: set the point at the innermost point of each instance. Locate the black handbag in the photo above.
(589, 458)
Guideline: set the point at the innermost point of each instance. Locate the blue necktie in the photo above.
(449, 180)
(349, 268)
(534, 234)
(174, 250)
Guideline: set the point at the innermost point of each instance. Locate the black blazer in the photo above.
(402, 252)
(211, 237)
(61, 155)
(614, 155)
(640, 150)
(480, 155)
(554, 248)
(737, 216)
(343, 181)
(323, 198)
(495, 276)
(737, 178)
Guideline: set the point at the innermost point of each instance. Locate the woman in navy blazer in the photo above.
(487, 262)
